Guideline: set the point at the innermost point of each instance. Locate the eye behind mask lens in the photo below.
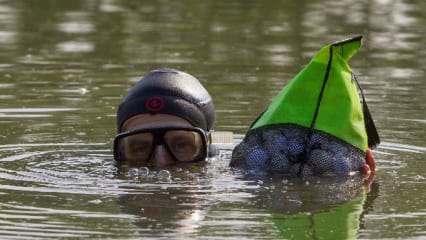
(138, 146)
(184, 145)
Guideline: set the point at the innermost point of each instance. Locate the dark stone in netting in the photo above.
(291, 149)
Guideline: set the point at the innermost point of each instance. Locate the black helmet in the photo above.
(169, 91)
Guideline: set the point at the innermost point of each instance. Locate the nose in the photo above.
(161, 157)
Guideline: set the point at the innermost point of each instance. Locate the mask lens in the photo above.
(136, 147)
(185, 145)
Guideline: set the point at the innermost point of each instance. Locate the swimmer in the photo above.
(165, 119)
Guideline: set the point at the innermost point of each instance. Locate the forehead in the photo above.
(154, 120)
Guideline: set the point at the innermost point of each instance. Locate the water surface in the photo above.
(64, 66)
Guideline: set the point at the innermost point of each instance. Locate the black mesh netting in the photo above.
(296, 150)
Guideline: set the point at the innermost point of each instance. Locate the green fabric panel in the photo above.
(340, 112)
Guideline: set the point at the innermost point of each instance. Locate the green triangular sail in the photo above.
(324, 96)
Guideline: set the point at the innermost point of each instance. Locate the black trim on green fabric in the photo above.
(372, 134)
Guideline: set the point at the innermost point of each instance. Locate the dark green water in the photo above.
(64, 66)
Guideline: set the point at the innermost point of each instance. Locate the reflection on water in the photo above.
(65, 65)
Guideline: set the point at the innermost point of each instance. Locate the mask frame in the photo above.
(158, 139)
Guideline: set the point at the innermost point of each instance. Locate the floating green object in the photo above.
(324, 96)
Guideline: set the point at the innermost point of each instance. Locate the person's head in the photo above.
(164, 119)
